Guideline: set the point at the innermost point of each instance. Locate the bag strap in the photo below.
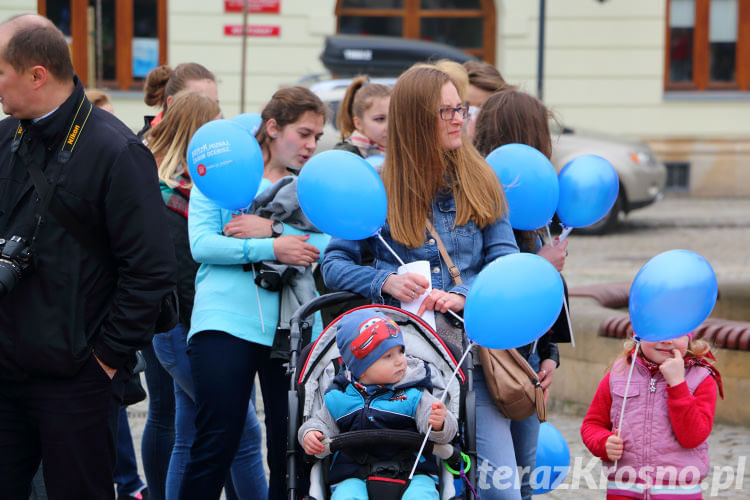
(452, 269)
(47, 192)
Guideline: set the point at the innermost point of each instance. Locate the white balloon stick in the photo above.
(442, 400)
(627, 386)
(565, 232)
(565, 300)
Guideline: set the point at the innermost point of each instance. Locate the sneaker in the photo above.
(141, 495)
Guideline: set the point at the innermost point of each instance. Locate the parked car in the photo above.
(642, 176)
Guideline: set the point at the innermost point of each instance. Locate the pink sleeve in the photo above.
(692, 415)
(597, 427)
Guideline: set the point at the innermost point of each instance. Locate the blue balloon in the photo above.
(552, 460)
(530, 184)
(225, 163)
(376, 161)
(251, 121)
(588, 190)
(342, 195)
(513, 301)
(672, 294)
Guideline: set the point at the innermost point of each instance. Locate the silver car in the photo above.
(642, 176)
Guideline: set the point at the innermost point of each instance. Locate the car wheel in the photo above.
(606, 223)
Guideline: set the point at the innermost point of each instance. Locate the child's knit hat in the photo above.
(363, 336)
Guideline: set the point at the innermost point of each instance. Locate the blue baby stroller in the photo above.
(315, 365)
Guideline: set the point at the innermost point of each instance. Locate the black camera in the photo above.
(15, 259)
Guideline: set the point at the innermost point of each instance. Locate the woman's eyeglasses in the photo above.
(450, 113)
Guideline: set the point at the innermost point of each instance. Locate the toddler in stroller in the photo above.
(374, 404)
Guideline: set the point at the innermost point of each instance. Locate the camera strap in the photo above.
(46, 191)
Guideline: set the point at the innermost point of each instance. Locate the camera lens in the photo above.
(9, 276)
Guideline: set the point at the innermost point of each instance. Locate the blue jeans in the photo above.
(525, 436)
(158, 434)
(497, 475)
(126, 468)
(247, 472)
(422, 487)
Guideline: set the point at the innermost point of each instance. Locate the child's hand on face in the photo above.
(613, 447)
(673, 369)
(312, 443)
(437, 415)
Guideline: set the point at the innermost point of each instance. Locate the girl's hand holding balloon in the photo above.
(405, 287)
(294, 250)
(439, 300)
(673, 369)
(555, 254)
(248, 226)
(614, 448)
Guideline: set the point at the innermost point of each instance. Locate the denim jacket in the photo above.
(470, 248)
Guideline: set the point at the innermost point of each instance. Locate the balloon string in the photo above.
(459, 318)
(471, 486)
(627, 386)
(380, 237)
(442, 400)
(257, 295)
(565, 300)
(565, 232)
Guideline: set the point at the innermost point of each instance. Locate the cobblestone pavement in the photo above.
(719, 230)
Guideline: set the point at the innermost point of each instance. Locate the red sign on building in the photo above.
(252, 30)
(253, 6)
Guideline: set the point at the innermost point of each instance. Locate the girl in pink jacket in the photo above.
(661, 451)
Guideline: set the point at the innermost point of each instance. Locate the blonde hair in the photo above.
(169, 139)
(416, 169)
(486, 77)
(697, 348)
(458, 74)
(360, 96)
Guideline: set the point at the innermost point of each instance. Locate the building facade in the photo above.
(675, 73)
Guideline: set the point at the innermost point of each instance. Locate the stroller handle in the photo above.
(365, 439)
(321, 302)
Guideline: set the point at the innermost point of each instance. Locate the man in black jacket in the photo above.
(74, 313)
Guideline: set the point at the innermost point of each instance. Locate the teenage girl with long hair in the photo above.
(168, 141)
(433, 175)
(160, 88)
(507, 117)
(233, 324)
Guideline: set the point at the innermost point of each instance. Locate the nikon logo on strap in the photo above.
(73, 134)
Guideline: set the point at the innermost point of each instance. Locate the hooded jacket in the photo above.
(69, 303)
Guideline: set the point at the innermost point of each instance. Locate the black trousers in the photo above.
(223, 369)
(69, 424)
